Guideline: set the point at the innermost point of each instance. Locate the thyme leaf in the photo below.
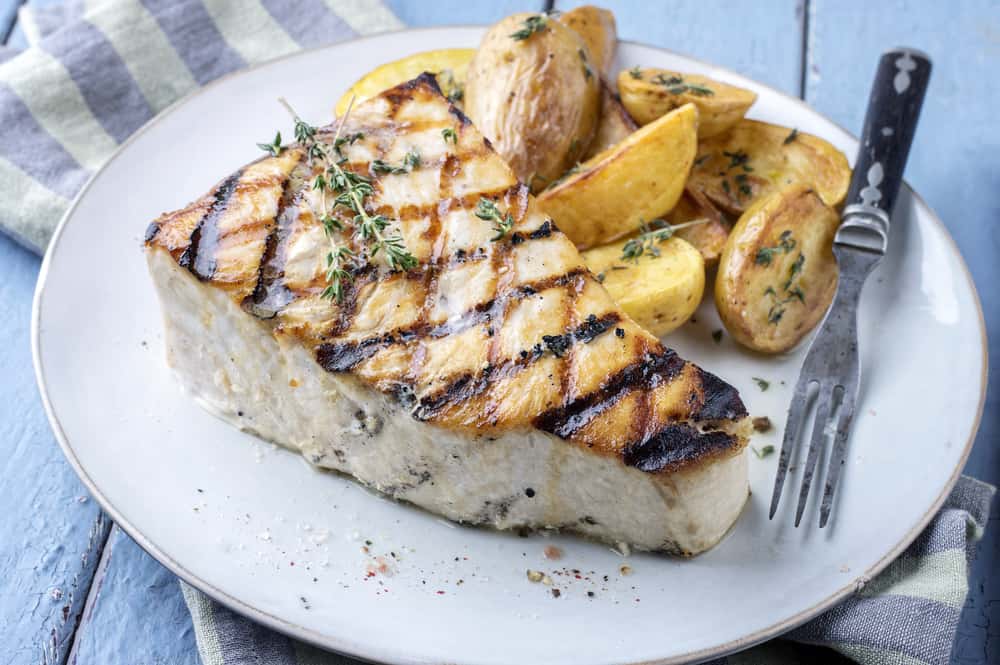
(531, 25)
(487, 210)
(274, 147)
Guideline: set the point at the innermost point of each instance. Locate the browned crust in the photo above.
(690, 434)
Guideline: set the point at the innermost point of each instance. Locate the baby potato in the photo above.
(648, 93)
(708, 238)
(449, 66)
(755, 158)
(596, 28)
(777, 275)
(615, 124)
(660, 290)
(638, 179)
(533, 93)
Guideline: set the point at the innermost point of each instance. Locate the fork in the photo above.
(832, 361)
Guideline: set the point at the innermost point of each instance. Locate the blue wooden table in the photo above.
(73, 588)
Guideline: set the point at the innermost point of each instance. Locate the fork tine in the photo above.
(796, 414)
(838, 456)
(823, 403)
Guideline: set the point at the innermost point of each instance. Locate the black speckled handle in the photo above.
(893, 108)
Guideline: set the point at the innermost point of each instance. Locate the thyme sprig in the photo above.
(274, 147)
(650, 235)
(350, 190)
(487, 210)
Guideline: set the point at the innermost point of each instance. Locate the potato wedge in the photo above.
(661, 291)
(596, 28)
(755, 158)
(639, 179)
(448, 64)
(615, 124)
(708, 238)
(777, 275)
(648, 93)
(532, 92)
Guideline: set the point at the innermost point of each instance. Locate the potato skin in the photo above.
(659, 292)
(449, 65)
(536, 99)
(615, 124)
(708, 238)
(753, 159)
(777, 274)
(648, 93)
(637, 180)
(598, 31)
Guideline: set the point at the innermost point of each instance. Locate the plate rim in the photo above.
(343, 647)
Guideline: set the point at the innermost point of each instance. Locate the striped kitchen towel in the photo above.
(97, 70)
(71, 98)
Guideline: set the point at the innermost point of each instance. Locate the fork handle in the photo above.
(893, 108)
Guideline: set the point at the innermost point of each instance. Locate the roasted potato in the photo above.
(532, 92)
(649, 93)
(615, 124)
(639, 179)
(660, 289)
(596, 28)
(777, 274)
(755, 158)
(449, 65)
(708, 238)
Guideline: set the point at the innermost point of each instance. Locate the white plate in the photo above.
(260, 531)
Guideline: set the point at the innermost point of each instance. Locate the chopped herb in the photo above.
(797, 293)
(774, 314)
(725, 186)
(762, 452)
(487, 210)
(587, 72)
(761, 424)
(786, 243)
(531, 25)
(378, 166)
(636, 73)
(274, 147)
(738, 158)
(600, 277)
(650, 235)
(449, 135)
(676, 85)
(761, 383)
(791, 137)
(717, 336)
(412, 159)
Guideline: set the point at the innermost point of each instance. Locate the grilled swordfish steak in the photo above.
(494, 383)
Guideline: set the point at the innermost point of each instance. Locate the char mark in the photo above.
(675, 446)
(720, 401)
(543, 231)
(199, 257)
(151, 231)
(343, 356)
(469, 385)
(650, 370)
(270, 294)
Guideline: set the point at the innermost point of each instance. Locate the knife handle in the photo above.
(893, 108)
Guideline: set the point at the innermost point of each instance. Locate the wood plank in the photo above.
(51, 532)
(764, 44)
(135, 613)
(953, 166)
(459, 12)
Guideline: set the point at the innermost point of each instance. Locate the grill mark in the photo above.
(564, 421)
(468, 385)
(675, 446)
(444, 206)
(201, 261)
(719, 400)
(270, 294)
